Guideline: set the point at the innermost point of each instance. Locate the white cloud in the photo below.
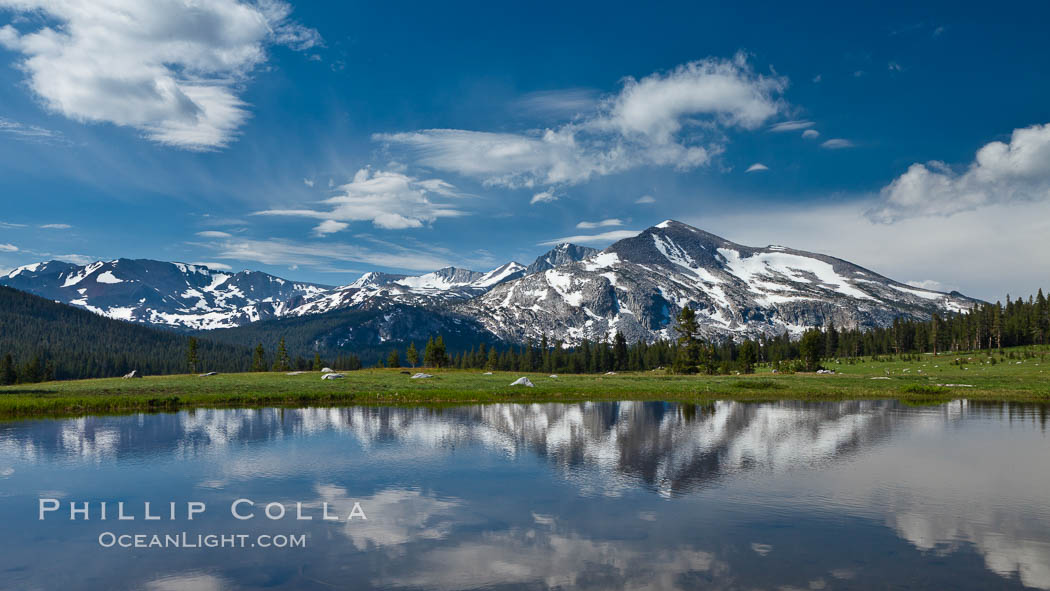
(601, 224)
(558, 103)
(836, 144)
(911, 247)
(810, 134)
(543, 197)
(1001, 173)
(322, 254)
(76, 259)
(7, 247)
(790, 125)
(603, 238)
(56, 226)
(11, 226)
(390, 200)
(171, 69)
(894, 67)
(676, 118)
(214, 266)
(757, 167)
(308, 182)
(928, 284)
(644, 199)
(213, 234)
(29, 133)
(329, 227)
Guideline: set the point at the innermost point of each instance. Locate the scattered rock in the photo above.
(133, 374)
(956, 385)
(407, 373)
(555, 376)
(332, 376)
(295, 373)
(610, 373)
(210, 373)
(881, 378)
(825, 371)
(523, 382)
(487, 373)
(327, 370)
(421, 376)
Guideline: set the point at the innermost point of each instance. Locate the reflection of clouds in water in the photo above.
(395, 516)
(551, 559)
(187, 582)
(1007, 548)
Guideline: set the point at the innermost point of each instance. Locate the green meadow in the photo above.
(1016, 375)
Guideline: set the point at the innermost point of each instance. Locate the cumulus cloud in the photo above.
(929, 284)
(1002, 172)
(791, 125)
(390, 200)
(676, 118)
(644, 199)
(7, 247)
(172, 69)
(836, 144)
(600, 224)
(543, 197)
(810, 134)
(603, 238)
(757, 167)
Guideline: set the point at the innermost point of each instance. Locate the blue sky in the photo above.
(319, 140)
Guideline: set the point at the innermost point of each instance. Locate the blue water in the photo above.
(628, 495)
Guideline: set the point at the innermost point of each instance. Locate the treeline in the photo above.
(44, 340)
(987, 326)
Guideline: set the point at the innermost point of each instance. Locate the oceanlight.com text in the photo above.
(188, 541)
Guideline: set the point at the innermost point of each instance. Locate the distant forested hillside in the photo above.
(48, 340)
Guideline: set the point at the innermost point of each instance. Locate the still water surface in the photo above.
(845, 495)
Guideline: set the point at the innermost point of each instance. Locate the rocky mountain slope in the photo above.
(638, 285)
(161, 293)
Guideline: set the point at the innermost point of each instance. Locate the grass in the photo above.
(931, 379)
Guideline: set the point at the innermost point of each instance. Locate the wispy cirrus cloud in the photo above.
(676, 119)
(275, 251)
(1002, 172)
(611, 222)
(55, 226)
(8, 247)
(837, 144)
(603, 238)
(757, 167)
(390, 200)
(173, 70)
(30, 133)
(791, 126)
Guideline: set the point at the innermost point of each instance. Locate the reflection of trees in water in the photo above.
(673, 447)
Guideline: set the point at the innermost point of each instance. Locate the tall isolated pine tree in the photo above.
(689, 344)
(281, 360)
(259, 358)
(411, 355)
(191, 355)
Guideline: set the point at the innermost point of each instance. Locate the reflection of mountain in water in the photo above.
(668, 447)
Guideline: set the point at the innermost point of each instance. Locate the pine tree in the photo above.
(191, 355)
(259, 358)
(810, 347)
(8, 373)
(620, 351)
(280, 362)
(318, 364)
(394, 359)
(428, 354)
(747, 356)
(440, 355)
(690, 346)
(411, 355)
